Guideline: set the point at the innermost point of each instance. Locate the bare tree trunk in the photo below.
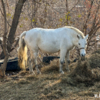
(15, 21)
(3, 67)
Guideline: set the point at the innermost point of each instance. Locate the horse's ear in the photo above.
(78, 36)
(86, 37)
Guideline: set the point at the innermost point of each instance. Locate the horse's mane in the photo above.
(77, 30)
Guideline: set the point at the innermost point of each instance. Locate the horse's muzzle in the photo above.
(82, 52)
(82, 55)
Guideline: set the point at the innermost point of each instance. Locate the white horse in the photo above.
(51, 41)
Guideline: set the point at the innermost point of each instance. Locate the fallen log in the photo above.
(12, 64)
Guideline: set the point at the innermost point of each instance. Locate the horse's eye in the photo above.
(78, 43)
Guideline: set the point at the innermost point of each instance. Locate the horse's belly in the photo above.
(49, 48)
(48, 43)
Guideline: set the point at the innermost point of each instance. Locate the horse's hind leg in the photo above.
(31, 65)
(35, 61)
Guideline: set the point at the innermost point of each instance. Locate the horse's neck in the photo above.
(74, 41)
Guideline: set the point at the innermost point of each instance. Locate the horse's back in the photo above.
(48, 40)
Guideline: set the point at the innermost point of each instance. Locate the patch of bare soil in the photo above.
(82, 83)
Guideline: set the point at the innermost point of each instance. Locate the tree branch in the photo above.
(88, 16)
(3, 16)
(3, 67)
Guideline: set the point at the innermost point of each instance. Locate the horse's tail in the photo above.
(22, 52)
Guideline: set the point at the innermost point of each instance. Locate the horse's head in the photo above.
(82, 44)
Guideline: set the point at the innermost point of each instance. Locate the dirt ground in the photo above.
(50, 85)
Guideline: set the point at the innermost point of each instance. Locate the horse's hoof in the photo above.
(68, 69)
(68, 61)
(39, 72)
(62, 72)
(32, 73)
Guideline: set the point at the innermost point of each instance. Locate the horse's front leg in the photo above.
(62, 60)
(67, 61)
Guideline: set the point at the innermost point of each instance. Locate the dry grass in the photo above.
(79, 84)
(95, 60)
(96, 51)
(82, 74)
